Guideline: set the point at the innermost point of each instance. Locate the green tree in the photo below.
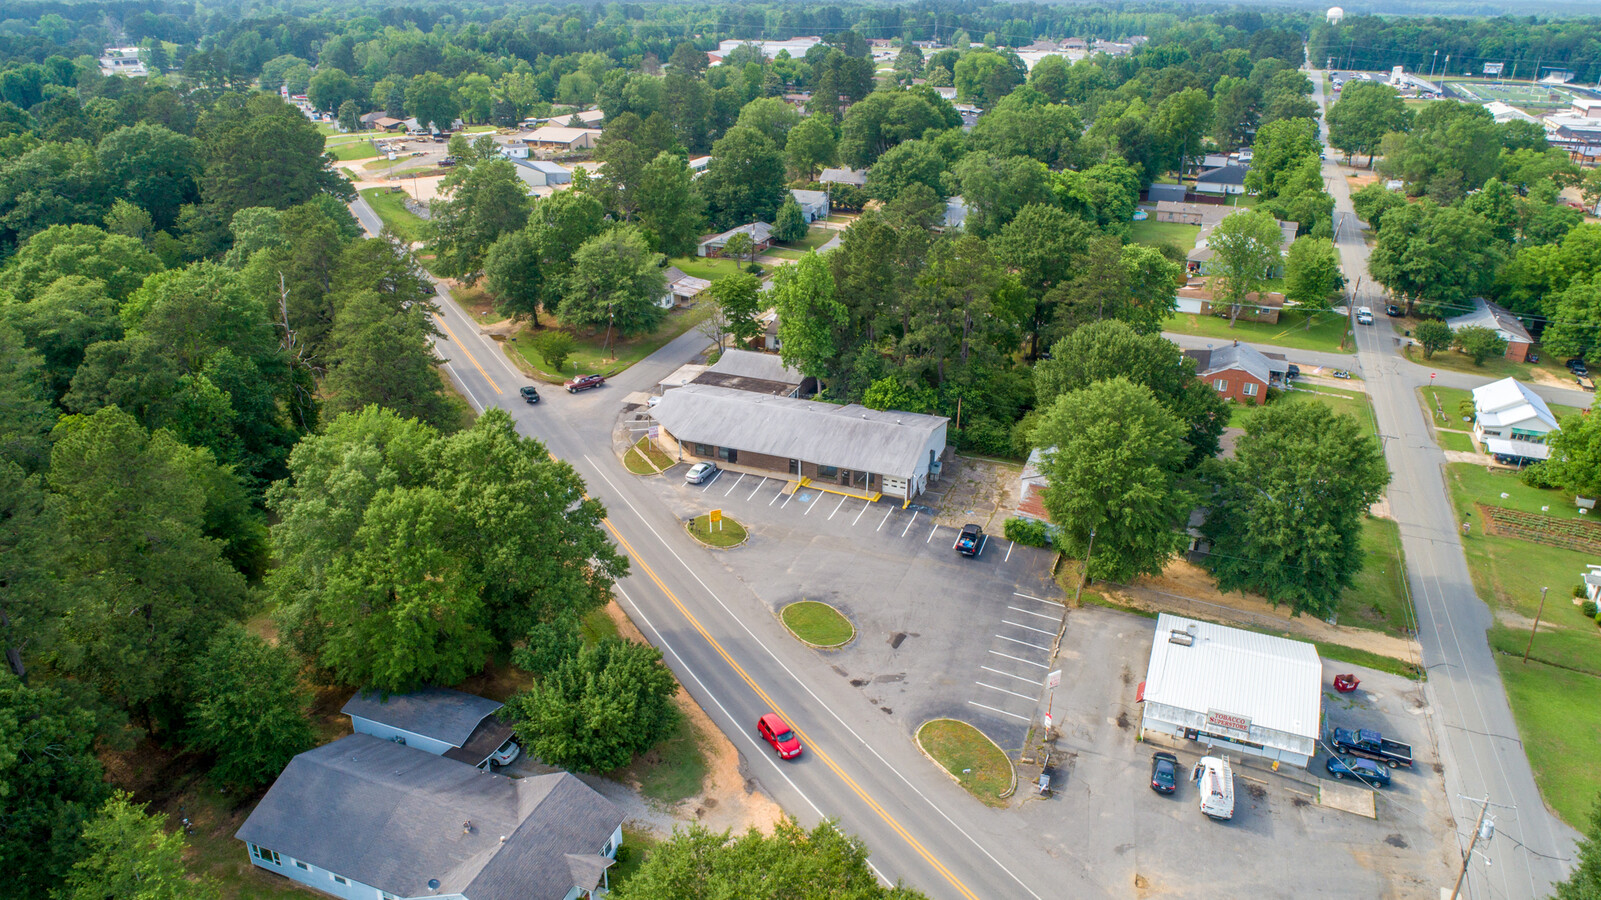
(555, 347)
(120, 263)
(1433, 335)
(740, 248)
(250, 708)
(1046, 247)
(1287, 521)
(983, 77)
(739, 298)
(821, 864)
(152, 167)
(771, 116)
(1280, 149)
(790, 223)
(744, 182)
(1441, 257)
(1026, 123)
(904, 165)
(616, 279)
(129, 853)
(1373, 201)
(385, 359)
(1575, 462)
(1236, 110)
(1100, 351)
(265, 154)
(50, 783)
(61, 322)
(1245, 252)
(598, 709)
(407, 556)
(561, 223)
(1312, 275)
(431, 101)
(349, 116)
(1478, 342)
(1584, 882)
(670, 210)
(330, 89)
(1451, 149)
(811, 146)
(31, 607)
(1114, 477)
(513, 275)
(995, 189)
(1184, 119)
(886, 118)
(809, 316)
(1364, 114)
(481, 202)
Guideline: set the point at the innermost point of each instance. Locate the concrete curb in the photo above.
(917, 738)
(797, 637)
(691, 532)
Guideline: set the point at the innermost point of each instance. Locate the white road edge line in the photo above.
(1001, 711)
(1026, 662)
(1028, 612)
(808, 689)
(1028, 627)
(1005, 691)
(1009, 675)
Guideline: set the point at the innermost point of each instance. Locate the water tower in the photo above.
(1334, 15)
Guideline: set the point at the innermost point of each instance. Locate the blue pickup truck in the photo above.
(1372, 745)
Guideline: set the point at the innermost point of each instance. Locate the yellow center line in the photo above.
(445, 325)
(817, 751)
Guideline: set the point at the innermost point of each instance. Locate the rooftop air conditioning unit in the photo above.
(1182, 638)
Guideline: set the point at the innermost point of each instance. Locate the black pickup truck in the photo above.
(970, 542)
(1372, 745)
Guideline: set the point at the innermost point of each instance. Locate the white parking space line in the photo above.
(776, 496)
(931, 537)
(887, 514)
(1020, 659)
(712, 480)
(734, 485)
(909, 525)
(758, 489)
(1028, 627)
(1010, 675)
(842, 500)
(1035, 599)
(1001, 711)
(791, 497)
(1009, 547)
(1005, 691)
(1029, 612)
(813, 503)
(859, 514)
(1024, 643)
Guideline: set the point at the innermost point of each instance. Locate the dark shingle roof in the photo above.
(392, 817)
(441, 713)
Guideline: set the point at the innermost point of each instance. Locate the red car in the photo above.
(774, 731)
(584, 383)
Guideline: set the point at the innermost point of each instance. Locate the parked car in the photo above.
(1363, 769)
(1340, 373)
(1364, 316)
(1164, 772)
(506, 755)
(1216, 783)
(700, 472)
(530, 393)
(584, 383)
(1372, 745)
(1393, 310)
(970, 541)
(1577, 366)
(651, 403)
(777, 733)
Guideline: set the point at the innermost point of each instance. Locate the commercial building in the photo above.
(1512, 422)
(122, 61)
(869, 452)
(1255, 694)
(560, 137)
(542, 173)
(796, 47)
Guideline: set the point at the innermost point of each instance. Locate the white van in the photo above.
(1215, 782)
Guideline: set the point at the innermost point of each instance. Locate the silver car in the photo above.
(700, 473)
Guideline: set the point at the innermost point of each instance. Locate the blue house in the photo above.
(365, 818)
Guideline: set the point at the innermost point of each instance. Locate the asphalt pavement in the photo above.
(1479, 744)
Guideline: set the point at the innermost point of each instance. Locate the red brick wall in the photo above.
(1235, 381)
(1517, 351)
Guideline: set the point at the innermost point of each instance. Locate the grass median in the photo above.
(818, 624)
(974, 760)
(645, 458)
(723, 533)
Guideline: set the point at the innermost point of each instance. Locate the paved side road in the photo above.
(1479, 744)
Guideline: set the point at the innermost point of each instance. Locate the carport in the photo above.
(1255, 693)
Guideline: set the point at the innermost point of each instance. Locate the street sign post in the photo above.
(1054, 680)
(715, 517)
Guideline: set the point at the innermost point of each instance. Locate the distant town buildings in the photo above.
(122, 61)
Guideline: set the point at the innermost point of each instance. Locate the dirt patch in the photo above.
(1358, 182)
(981, 491)
(1186, 588)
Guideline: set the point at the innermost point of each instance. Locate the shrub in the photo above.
(985, 436)
(1536, 476)
(1028, 532)
(1589, 609)
(1578, 592)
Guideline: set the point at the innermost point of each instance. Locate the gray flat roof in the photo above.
(849, 437)
(748, 364)
(440, 713)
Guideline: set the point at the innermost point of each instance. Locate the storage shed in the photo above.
(1255, 693)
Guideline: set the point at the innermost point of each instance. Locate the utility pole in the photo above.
(1538, 613)
(1485, 829)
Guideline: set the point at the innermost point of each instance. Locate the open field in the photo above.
(1328, 329)
(391, 209)
(592, 353)
(1515, 93)
(1153, 233)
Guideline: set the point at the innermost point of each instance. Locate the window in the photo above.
(340, 879)
(1250, 389)
(705, 450)
(828, 471)
(1221, 384)
(301, 865)
(794, 467)
(727, 454)
(607, 850)
(267, 856)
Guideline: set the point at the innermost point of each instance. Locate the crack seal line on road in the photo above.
(802, 684)
(739, 670)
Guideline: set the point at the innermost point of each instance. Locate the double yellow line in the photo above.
(816, 750)
(468, 353)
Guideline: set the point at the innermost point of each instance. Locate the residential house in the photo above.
(813, 204)
(561, 138)
(542, 173)
(363, 818)
(514, 149)
(856, 177)
(370, 120)
(1200, 259)
(1240, 372)
(946, 93)
(1195, 297)
(698, 166)
(761, 234)
(122, 61)
(447, 723)
(1166, 193)
(1592, 583)
(1511, 422)
(1488, 315)
(1074, 43)
(1221, 180)
(682, 289)
(969, 114)
(847, 449)
(1214, 161)
(955, 214)
(768, 339)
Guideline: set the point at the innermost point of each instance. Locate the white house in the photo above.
(365, 818)
(761, 235)
(682, 289)
(1499, 320)
(435, 720)
(1512, 422)
(514, 150)
(855, 177)
(813, 204)
(698, 166)
(122, 61)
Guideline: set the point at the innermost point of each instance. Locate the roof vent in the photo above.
(1182, 638)
(503, 839)
(433, 884)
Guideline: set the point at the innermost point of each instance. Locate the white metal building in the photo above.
(1253, 693)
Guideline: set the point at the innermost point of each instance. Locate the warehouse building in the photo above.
(1255, 694)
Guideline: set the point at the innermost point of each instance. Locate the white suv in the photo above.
(1364, 316)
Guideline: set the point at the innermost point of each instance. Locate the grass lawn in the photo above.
(1443, 405)
(1567, 640)
(1327, 330)
(1560, 732)
(784, 253)
(818, 623)
(595, 625)
(1469, 482)
(1378, 597)
(1153, 233)
(391, 209)
(971, 758)
(726, 533)
(815, 237)
(674, 769)
(1348, 402)
(1495, 368)
(647, 449)
(1460, 441)
(1362, 658)
(631, 855)
(588, 356)
(704, 267)
(213, 851)
(353, 150)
